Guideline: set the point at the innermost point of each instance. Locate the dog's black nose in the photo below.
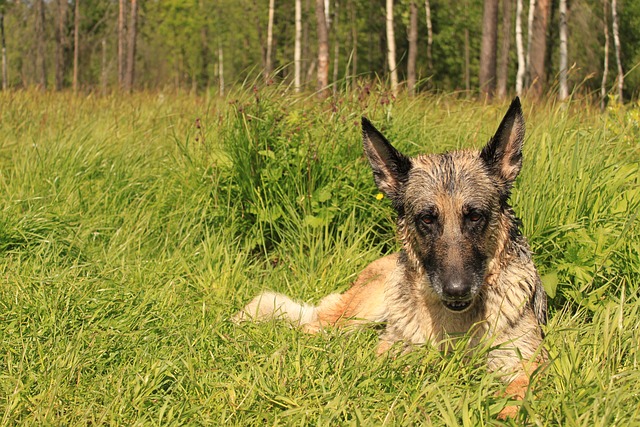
(457, 290)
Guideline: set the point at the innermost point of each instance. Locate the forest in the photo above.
(584, 47)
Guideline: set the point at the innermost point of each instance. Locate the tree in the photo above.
(323, 49)
(122, 11)
(297, 53)
(538, 47)
(605, 65)
(76, 45)
(391, 48)
(131, 48)
(4, 47)
(519, 49)
(413, 47)
(488, 48)
(616, 45)
(564, 89)
(61, 42)
(427, 8)
(336, 45)
(41, 64)
(268, 66)
(505, 46)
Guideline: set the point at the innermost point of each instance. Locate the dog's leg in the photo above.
(362, 303)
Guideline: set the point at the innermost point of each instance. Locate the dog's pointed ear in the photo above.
(503, 153)
(390, 167)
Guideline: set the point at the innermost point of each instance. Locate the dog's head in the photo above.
(453, 211)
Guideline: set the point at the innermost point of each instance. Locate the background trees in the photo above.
(196, 45)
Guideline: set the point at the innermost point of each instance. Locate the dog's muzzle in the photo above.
(457, 305)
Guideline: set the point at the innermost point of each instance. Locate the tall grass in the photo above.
(132, 228)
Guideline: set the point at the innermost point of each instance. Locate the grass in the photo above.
(131, 229)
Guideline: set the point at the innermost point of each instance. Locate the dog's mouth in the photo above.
(457, 305)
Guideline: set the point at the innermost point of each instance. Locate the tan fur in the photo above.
(460, 245)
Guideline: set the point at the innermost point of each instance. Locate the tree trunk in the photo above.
(413, 47)
(427, 8)
(297, 52)
(336, 46)
(539, 47)
(605, 65)
(467, 70)
(76, 45)
(122, 13)
(616, 45)
(354, 41)
(104, 69)
(268, 66)
(391, 48)
(5, 82)
(220, 68)
(564, 88)
(41, 66)
(131, 48)
(520, 49)
(323, 49)
(61, 42)
(503, 66)
(532, 9)
(488, 48)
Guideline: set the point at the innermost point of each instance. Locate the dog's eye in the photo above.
(474, 216)
(428, 219)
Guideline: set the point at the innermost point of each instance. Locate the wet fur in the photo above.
(464, 267)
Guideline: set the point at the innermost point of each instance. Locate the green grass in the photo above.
(131, 229)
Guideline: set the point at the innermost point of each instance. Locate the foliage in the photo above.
(131, 229)
(180, 41)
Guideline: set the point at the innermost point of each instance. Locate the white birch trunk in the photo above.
(4, 54)
(605, 65)
(336, 47)
(532, 8)
(220, 68)
(297, 53)
(519, 49)
(564, 89)
(267, 67)
(616, 44)
(427, 8)
(391, 48)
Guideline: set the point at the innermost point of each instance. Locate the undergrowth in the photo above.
(131, 229)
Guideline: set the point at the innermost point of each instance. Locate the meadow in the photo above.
(133, 228)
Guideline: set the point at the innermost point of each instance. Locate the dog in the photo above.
(464, 268)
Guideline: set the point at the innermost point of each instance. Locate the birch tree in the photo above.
(605, 65)
(41, 64)
(336, 45)
(564, 89)
(268, 66)
(519, 49)
(413, 47)
(76, 44)
(61, 42)
(4, 49)
(323, 49)
(427, 9)
(530, 16)
(122, 10)
(616, 45)
(391, 48)
(297, 51)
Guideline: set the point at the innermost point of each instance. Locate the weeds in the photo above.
(131, 229)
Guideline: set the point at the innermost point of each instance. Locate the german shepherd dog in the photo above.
(464, 267)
